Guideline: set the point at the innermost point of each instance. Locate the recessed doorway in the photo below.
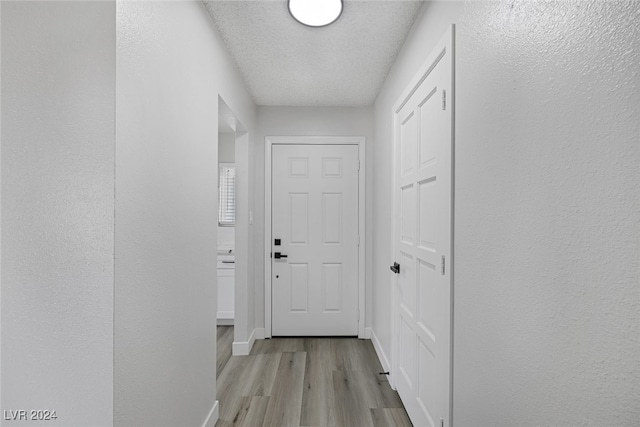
(314, 216)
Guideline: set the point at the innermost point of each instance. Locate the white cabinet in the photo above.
(226, 291)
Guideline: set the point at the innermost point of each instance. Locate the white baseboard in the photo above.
(226, 315)
(244, 348)
(212, 418)
(384, 361)
(225, 322)
(367, 333)
(259, 333)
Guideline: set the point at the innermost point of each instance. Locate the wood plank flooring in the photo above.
(305, 382)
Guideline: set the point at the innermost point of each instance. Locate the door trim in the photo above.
(446, 43)
(314, 140)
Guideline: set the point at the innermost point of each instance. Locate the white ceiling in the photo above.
(285, 63)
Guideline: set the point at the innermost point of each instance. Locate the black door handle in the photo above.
(395, 268)
(278, 255)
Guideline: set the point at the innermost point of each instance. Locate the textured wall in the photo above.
(171, 68)
(58, 88)
(308, 121)
(547, 231)
(547, 214)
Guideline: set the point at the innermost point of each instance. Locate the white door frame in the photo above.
(314, 140)
(425, 69)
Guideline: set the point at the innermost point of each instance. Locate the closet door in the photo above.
(422, 242)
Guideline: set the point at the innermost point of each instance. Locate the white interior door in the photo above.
(422, 240)
(314, 272)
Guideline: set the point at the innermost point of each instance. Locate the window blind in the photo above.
(227, 202)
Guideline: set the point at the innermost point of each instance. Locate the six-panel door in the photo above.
(315, 216)
(423, 245)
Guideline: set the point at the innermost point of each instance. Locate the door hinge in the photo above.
(358, 240)
(358, 164)
(444, 99)
(442, 269)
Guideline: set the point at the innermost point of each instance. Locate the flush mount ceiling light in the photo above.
(315, 13)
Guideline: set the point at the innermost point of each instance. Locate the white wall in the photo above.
(244, 323)
(547, 195)
(0, 203)
(245, 147)
(307, 121)
(171, 67)
(226, 147)
(226, 237)
(58, 89)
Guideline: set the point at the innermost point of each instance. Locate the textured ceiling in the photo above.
(285, 63)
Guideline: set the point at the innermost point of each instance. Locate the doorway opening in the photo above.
(232, 258)
(227, 126)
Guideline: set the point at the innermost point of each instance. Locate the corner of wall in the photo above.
(243, 348)
(382, 356)
(213, 416)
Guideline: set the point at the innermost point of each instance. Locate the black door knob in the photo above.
(395, 268)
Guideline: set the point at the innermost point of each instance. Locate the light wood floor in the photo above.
(305, 382)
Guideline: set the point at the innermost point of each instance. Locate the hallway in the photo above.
(110, 135)
(305, 382)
